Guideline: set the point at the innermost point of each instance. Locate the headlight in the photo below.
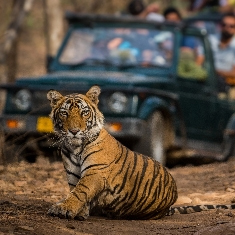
(23, 100)
(117, 102)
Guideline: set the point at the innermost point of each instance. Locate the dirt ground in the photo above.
(28, 190)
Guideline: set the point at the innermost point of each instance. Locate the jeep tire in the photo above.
(228, 149)
(152, 141)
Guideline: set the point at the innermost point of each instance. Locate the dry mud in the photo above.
(28, 190)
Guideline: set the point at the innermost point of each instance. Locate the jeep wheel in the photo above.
(10, 151)
(228, 149)
(152, 141)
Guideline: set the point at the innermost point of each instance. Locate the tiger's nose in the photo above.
(74, 131)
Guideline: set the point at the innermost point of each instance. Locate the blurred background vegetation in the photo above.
(31, 49)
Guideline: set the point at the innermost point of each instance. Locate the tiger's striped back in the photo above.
(137, 187)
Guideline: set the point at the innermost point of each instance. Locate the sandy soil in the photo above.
(28, 190)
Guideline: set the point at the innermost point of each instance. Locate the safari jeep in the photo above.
(160, 93)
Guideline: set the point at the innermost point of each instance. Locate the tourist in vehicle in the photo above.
(151, 12)
(224, 49)
(172, 14)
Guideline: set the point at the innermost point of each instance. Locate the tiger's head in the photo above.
(76, 117)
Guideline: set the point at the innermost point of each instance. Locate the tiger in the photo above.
(101, 172)
(103, 175)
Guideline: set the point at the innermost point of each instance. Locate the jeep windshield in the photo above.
(118, 47)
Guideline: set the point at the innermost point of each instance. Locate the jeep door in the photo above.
(197, 87)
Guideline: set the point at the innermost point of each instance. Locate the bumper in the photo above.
(125, 128)
(19, 124)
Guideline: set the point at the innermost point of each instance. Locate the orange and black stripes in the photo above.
(197, 208)
(100, 170)
(133, 168)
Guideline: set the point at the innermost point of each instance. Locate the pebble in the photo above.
(183, 200)
(26, 228)
(233, 200)
(70, 226)
(229, 190)
(197, 201)
(20, 183)
(230, 214)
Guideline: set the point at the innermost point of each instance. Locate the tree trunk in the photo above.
(11, 62)
(8, 51)
(8, 56)
(53, 25)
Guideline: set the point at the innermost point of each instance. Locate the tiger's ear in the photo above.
(54, 97)
(93, 94)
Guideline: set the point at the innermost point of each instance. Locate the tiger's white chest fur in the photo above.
(73, 145)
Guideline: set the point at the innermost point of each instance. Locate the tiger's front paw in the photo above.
(66, 209)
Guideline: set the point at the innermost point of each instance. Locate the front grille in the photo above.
(40, 104)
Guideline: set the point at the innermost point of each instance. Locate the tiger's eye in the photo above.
(85, 113)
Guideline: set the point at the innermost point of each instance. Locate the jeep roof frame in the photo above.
(90, 19)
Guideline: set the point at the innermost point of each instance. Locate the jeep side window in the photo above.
(192, 63)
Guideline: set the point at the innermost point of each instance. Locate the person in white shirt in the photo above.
(224, 49)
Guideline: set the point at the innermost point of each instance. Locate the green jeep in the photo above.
(159, 94)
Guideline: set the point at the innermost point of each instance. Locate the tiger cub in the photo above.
(101, 172)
